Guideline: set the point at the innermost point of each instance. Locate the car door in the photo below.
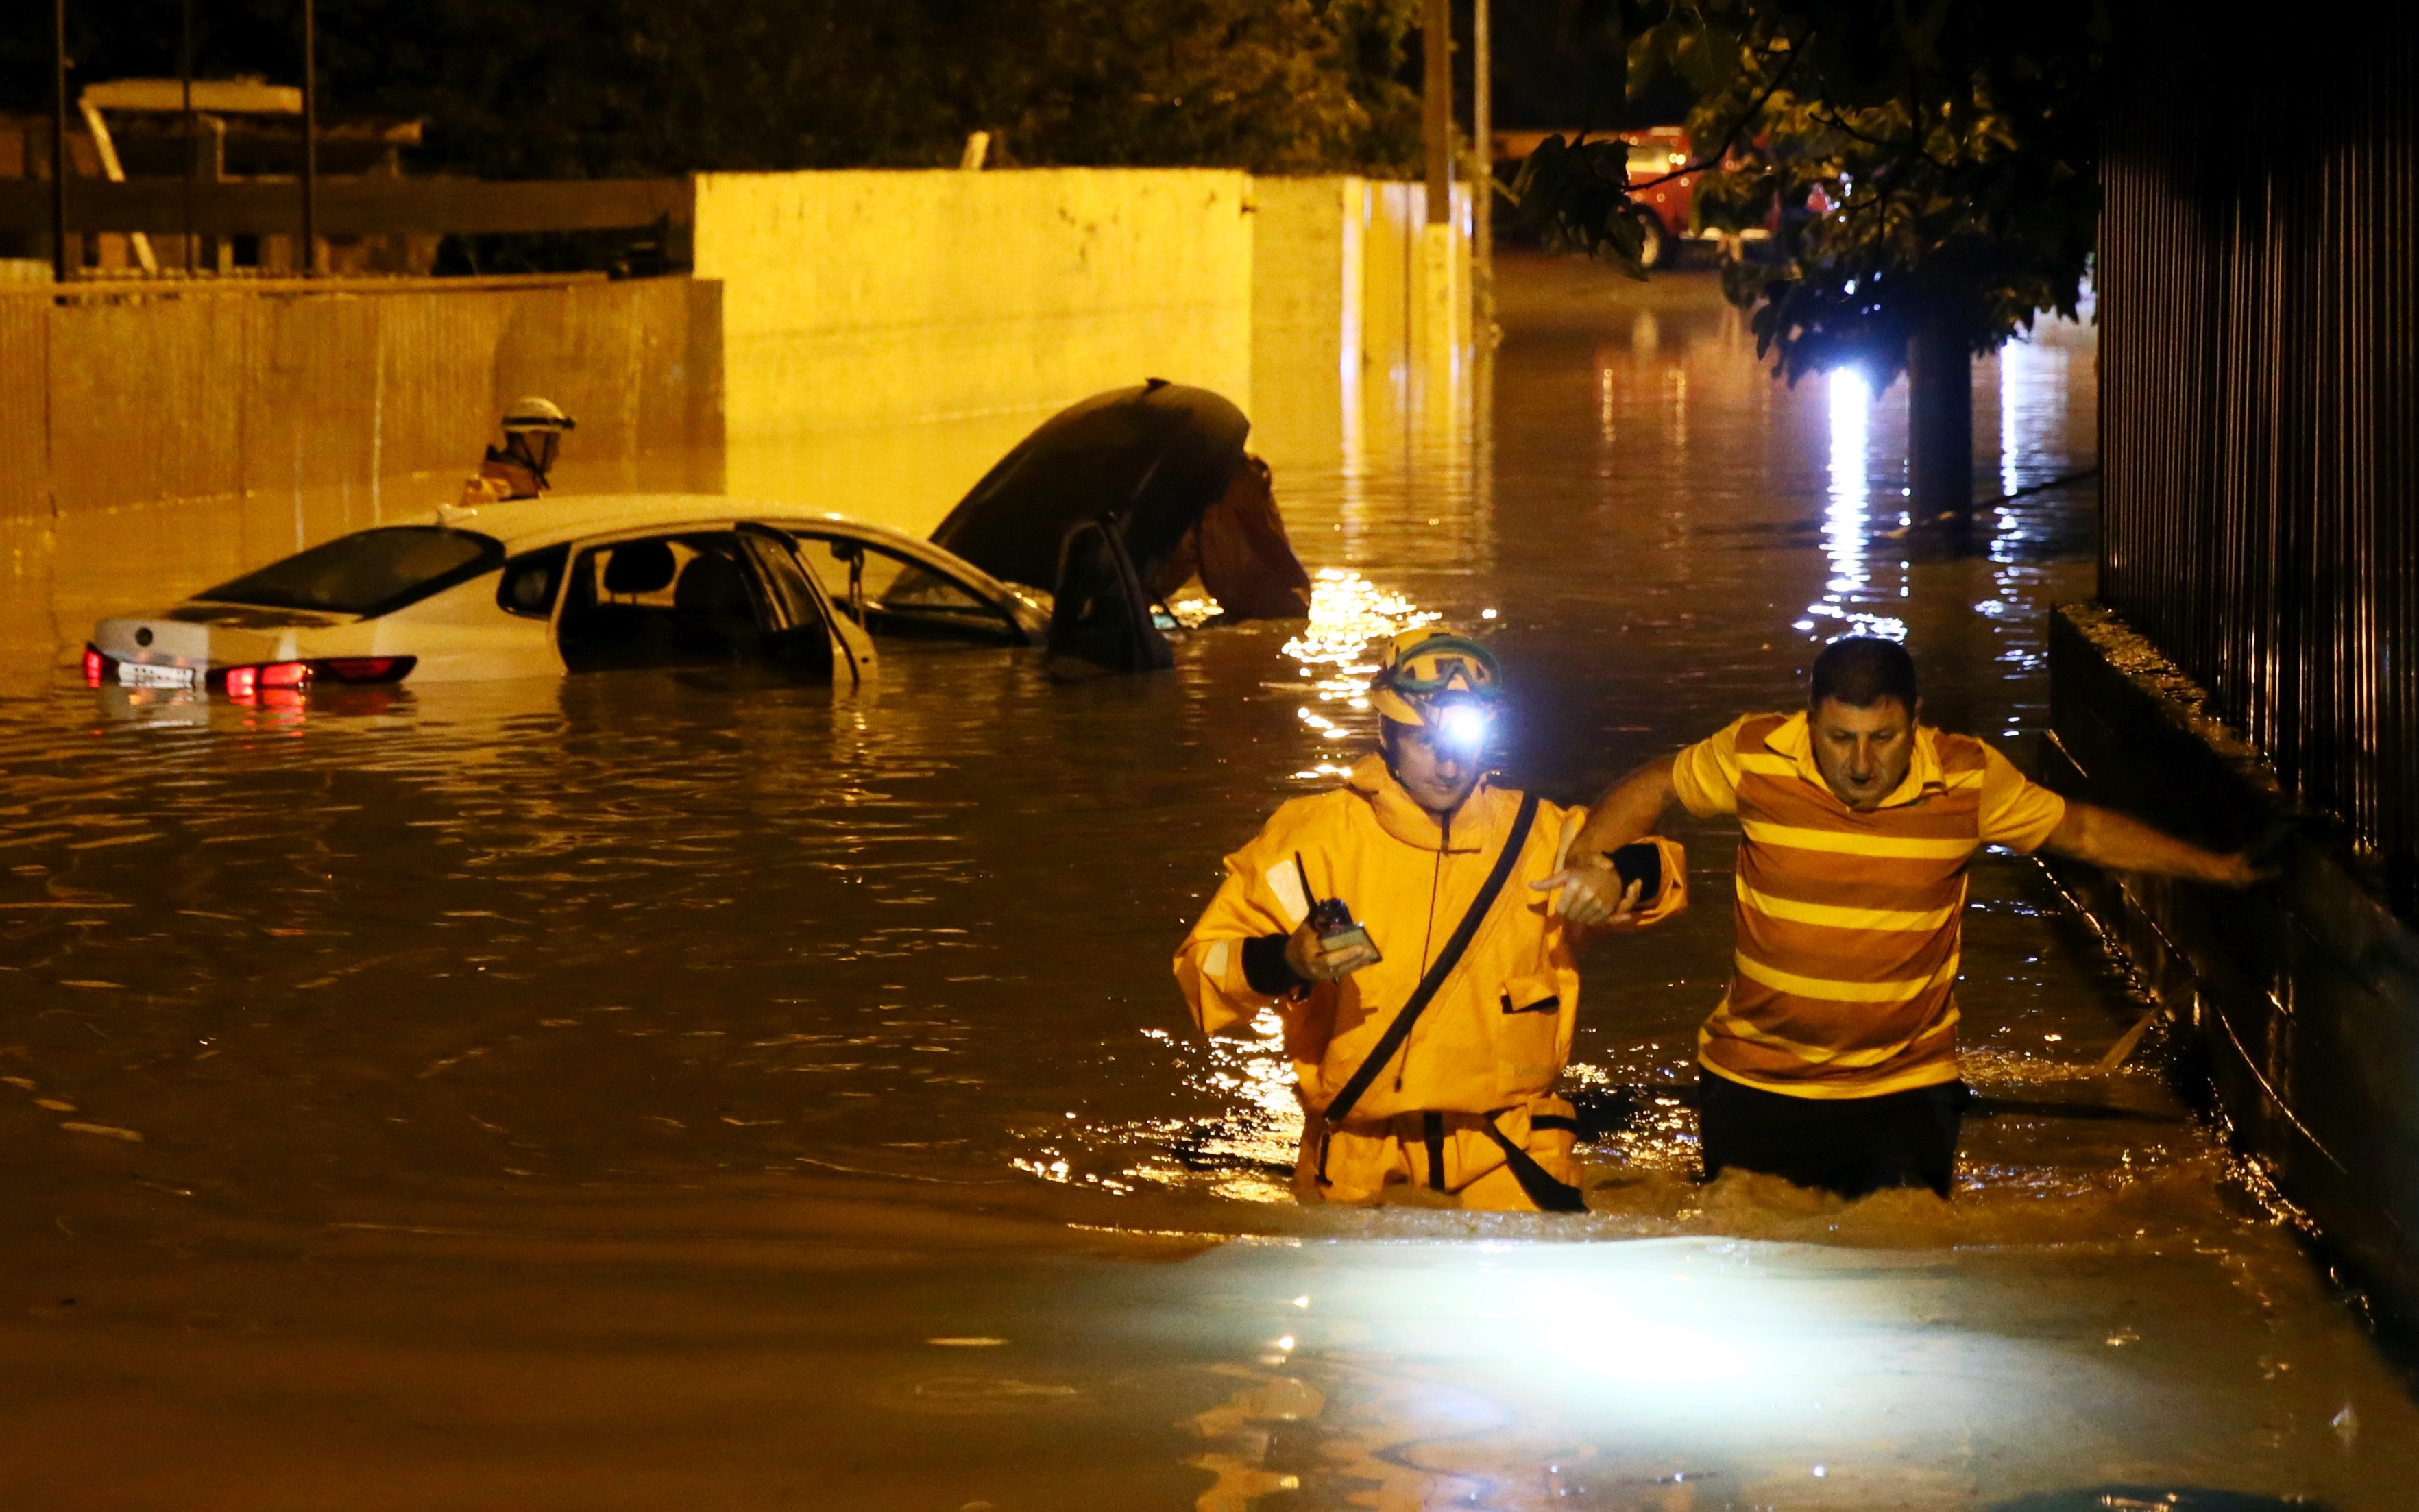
(803, 627)
(707, 595)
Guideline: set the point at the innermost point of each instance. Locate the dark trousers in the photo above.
(1850, 1145)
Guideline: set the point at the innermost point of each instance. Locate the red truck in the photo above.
(1665, 211)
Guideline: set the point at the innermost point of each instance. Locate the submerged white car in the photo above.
(540, 586)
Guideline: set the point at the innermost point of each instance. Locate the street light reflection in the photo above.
(1846, 518)
(1348, 614)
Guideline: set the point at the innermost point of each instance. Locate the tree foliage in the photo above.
(568, 88)
(1922, 165)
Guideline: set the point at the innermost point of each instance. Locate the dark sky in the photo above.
(1552, 68)
(1554, 71)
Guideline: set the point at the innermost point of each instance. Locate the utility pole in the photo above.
(185, 76)
(1435, 108)
(1481, 186)
(310, 137)
(60, 140)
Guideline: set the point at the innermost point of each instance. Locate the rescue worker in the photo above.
(1424, 1046)
(533, 428)
(1831, 1061)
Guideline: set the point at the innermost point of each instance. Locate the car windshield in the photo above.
(369, 572)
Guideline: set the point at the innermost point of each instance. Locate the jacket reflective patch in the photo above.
(1287, 886)
(1543, 1005)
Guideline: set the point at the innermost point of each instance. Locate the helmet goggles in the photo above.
(1435, 668)
(1434, 678)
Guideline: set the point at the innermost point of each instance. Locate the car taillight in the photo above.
(365, 669)
(291, 677)
(97, 664)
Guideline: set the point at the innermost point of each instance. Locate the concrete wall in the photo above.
(869, 343)
(882, 308)
(888, 334)
(161, 440)
(2300, 997)
(1357, 306)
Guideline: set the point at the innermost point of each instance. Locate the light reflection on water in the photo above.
(503, 981)
(1351, 619)
(1848, 523)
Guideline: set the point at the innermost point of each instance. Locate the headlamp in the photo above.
(1462, 728)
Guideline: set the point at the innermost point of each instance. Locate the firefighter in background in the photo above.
(1405, 930)
(533, 430)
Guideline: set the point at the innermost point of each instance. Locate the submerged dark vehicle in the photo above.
(1115, 503)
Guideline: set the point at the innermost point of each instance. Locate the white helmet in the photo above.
(534, 412)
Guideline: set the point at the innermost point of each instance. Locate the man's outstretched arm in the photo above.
(2106, 838)
(1592, 892)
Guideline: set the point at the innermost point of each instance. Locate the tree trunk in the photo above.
(1940, 427)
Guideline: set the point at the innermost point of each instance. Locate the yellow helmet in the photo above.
(1425, 670)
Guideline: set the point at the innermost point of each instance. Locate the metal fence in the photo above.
(2259, 390)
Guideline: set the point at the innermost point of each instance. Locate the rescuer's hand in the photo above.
(1312, 963)
(1593, 896)
(2236, 871)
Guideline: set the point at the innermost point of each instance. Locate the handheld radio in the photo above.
(1333, 918)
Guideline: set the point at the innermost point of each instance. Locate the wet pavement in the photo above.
(645, 1090)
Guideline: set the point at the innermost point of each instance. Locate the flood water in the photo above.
(637, 1092)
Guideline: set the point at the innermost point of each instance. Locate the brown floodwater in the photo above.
(637, 1092)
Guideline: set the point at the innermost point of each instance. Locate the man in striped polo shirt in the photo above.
(1832, 1059)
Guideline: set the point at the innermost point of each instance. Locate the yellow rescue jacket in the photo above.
(1499, 1029)
(502, 477)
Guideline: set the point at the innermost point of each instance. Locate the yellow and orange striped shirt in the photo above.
(1849, 924)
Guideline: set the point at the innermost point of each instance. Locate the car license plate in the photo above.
(148, 675)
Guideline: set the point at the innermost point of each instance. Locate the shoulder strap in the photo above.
(1446, 959)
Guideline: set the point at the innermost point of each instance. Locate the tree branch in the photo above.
(1845, 130)
(1755, 108)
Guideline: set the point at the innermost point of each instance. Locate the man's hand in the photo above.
(2106, 838)
(1593, 896)
(1313, 964)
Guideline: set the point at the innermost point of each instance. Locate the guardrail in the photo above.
(351, 207)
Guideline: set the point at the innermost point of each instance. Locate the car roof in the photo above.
(526, 524)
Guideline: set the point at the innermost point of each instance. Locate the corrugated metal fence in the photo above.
(2259, 309)
(349, 402)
